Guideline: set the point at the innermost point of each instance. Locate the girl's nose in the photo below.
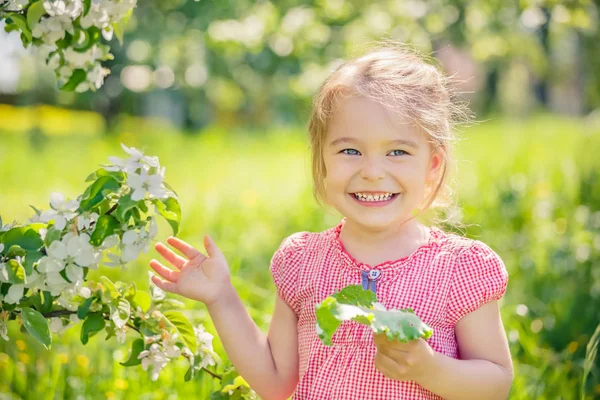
(372, 171)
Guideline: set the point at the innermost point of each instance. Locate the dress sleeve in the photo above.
(285, 268)
(479, 277)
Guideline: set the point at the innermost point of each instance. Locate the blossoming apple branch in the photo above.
(44, 264)
(68, 33)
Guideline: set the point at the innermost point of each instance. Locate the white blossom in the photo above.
(169, 343)
(156, 293)
(154, 357)
(85, 220)
(16, 5)
(15, 293)
(3, 273)
(94, 79)
(3, 328)
(110, 241)
(61, 211)
(203, 338)
(137, 161)
(56, 325)
(205, 347)
(121, 334)
(53, 28)
(67, 252)
(68, 298)
(55, 283)
(144, 182)
(69, 8)
(33, 280)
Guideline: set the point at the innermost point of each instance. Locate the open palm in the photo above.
(196, 276)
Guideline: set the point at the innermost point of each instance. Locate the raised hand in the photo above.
(195, 276)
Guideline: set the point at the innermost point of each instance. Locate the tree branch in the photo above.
(58, 313)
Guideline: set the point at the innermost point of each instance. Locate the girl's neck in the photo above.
(375, 247)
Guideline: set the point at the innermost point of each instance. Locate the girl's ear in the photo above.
(435, 163)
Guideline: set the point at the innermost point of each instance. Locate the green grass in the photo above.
(528, 189)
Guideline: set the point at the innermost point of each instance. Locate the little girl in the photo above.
(381, 132)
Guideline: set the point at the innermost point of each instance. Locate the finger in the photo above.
(211, 247)
(164, 285)
(165, 272)
(384, 364)
(185, 248)
(169, 255)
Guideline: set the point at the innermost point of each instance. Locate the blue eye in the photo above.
(344, 151)
(400, 151)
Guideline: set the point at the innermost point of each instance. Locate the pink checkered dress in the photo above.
(442, 281)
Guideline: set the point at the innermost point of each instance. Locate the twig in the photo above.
(113, 208)
(58, 313)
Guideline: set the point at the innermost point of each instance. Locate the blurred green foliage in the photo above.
(259, 62)
(528, 189)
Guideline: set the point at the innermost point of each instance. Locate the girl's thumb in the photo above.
(211, 247)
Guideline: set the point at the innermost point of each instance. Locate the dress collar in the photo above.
(349, 261)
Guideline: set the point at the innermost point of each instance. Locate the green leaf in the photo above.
(137, 346)
(34, 14)
(16, 251)
(142, 206)
(20, 21)
(84, 308)
(143, 300)
(37, 212)
(64, 42)
(170, 188)
(350, 304)
(15, 271)
(11, 27)
(76, 78)
(119, 176)
(110, 291)
(52, 235)
(169, 208)
(47, 301)
(118, 30)
(120, 311)
(183, 326)
(93, 324)
(125, 204)
(96, 192)
(37, 326)
(86, 6)
(27, 237)
(105, 226)
(31, 258)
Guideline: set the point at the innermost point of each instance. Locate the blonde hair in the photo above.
(401, 80)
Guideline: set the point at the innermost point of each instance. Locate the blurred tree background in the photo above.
(220, 90)
(257, 63)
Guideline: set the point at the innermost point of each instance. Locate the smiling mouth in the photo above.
(374, 198)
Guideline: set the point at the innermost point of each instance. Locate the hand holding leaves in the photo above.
(403, 361)
(196, 276)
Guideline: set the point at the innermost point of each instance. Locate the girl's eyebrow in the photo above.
(406, 142)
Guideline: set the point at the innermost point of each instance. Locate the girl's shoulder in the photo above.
(306, 241)
(461, 246)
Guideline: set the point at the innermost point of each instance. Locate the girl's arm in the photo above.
(484, 370)
(268, 363)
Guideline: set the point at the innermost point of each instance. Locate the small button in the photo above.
(374, 274)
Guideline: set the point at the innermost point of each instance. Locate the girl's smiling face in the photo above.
(377, 164)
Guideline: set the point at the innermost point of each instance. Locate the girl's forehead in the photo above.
(363, 119)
